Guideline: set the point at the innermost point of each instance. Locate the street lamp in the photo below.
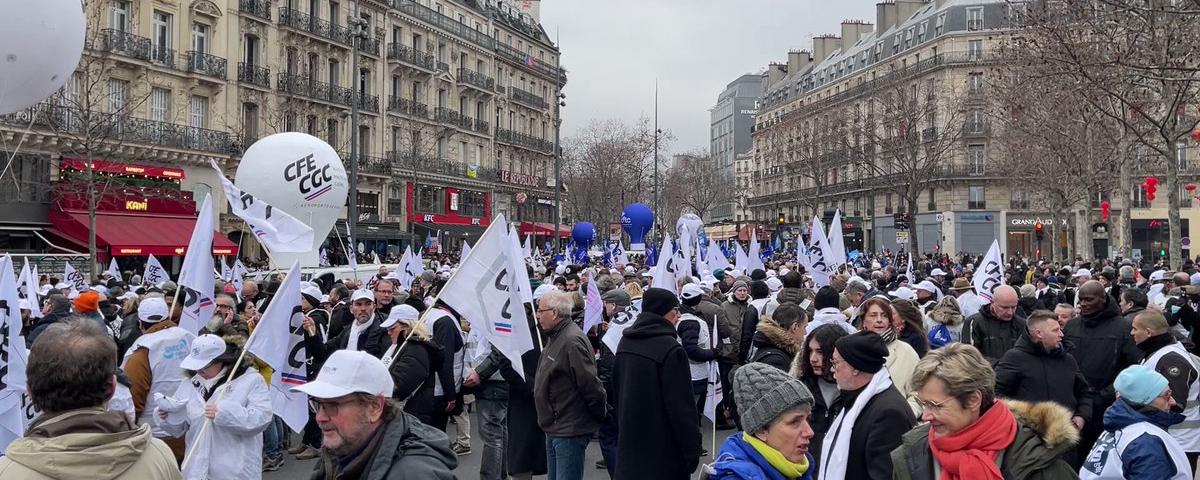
(560, 99)
(358, 33)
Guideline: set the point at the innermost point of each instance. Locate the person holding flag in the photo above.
(695, 334)
(412, 367)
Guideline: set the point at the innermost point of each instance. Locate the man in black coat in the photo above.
(656, 416)
(368, 336)
(996, 328)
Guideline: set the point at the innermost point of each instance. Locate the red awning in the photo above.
(542, 229)
(134, 235)
(125, 169)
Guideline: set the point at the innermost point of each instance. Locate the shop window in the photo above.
(430, 200)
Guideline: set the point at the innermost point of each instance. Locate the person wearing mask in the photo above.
(656, 413)
(812, 367)
(411, 367)
(996, 328)
(779, 337)
(874, 414)
(777, 436)
(696, 337)
(968, 433)
(235, 403)
(152, 364)
(1135, 444)
(827, 304)
(1168, 357)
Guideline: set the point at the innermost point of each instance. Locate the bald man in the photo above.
(996, 328)
(1103, 346)
(1167, 356)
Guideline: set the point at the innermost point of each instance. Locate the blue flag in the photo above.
(651, 255)
(767, 253)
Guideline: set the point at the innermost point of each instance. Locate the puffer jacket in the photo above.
(1029, 373)
(406, 450)
(1145, 457)
(1103, 346)
(88, 443)
(773, 345)
(991, 335)
(739, 460)
(1044, 433)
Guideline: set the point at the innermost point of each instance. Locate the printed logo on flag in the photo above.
(505, 328)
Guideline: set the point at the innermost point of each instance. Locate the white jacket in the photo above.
(826, 316)
(232, 445)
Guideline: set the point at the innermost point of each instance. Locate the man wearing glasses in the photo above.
(362, 427)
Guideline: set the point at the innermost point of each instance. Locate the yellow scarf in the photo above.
(776, 459)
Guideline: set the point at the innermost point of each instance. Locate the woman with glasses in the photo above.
(968, 433)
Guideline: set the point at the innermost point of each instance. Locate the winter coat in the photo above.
(567, 393)
(829, 315)
(89, 443)
(373, 340)
(739, 460)
(901, 362)
(656, 413)
(1145, 457)
(916, 340)
(773, 345)
(412, 373)
(991, 335)
(1044, 433)
(1029, 373)
(40, 325)
(709, 310)
(406, 450)
(877, 431)
(232, 445)
(950, 317)
(1132, 313)
(1103, 347)
(526, 444)
(735, 315)
(822, 415)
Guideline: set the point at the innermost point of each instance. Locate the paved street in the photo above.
(468, 465)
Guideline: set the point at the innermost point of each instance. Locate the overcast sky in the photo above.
(615, 49)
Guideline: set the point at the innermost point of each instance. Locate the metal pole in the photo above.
(357, 34)
(657, 220)
(558, 104)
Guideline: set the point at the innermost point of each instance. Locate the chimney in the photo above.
(798, 60)
(825, 45)
(853, 30)
(885, 15)
(906, 8)
(775, 73)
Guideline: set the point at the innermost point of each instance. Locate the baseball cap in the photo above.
(152, 310)
(1083, 272)
(313, 294)
(402, 312)
(23, 304)
(904, 293)
(691, 291)
(927, 286)
(205, 349)
(774, 284)
(347, 372)
(362, 294)
(936, 272)
(542, 290)
(1158, 275)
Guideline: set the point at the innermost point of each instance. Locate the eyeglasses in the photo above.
(933, 406)
(540, 310)
(331, 406)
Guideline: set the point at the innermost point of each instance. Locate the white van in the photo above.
(326, 276)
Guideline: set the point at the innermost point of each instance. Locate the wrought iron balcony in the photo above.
(522, 140)
(254, 74)
(530, 64)
(476, 79)
(528, 98)
(446, 115)
(292, 18)
(371, 165)
(411, 57)
(443, 66)
(305, 86)
(404, 164)
(454, 27)
(121, 129)
(125, 43)
(481, 126)
(256, 8)
(162, 56)
(366, 101)
(407, 107)
(205, 64)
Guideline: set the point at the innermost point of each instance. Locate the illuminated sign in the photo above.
(130, 251)
(136, 205)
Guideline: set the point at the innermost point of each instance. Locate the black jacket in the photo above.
(991, 335)
(339, 319)
(877, 431)
(1178, 370)
(446, 334)
(1028, 372)
(689, 336)
(656, 413)
(46, 321)
(412, 376)
(1103, 347)
(773, 345)
(822, 414)
(373, 340)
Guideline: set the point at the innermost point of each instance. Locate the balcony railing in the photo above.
(256, 8)
(476, 79)
(407, 107)
(370, 45)
(371, 165)
(205, 64)
(162, 56)
(254, 74)
(443, 66)
(444, 22)
(527, 98)
(125, 43)
(114, 128)
(366, 101)
(481, 126)
(292, 18)
(530, 64)
(411, 56)
(448, 116)
(305, 86)
(404, 164)
(523, 140)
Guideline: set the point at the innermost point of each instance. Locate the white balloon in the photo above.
(691, 221)
(40, 45)
(301, 175)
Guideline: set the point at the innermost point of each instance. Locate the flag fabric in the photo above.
(402, 274)
(239, 274)
(802, 253)
(279, 341)
(29, 281)
(818, 254)
(227, 271)
(484, 290)
(701, 266)
(989, 274)
(196, 276)
(754, 258)
(680, 266)
(741, 260)
(768, 252)
(154, 274)
(466, 250)
(686, 240)
(713, 394)
(275, 228)
(324, 261)
(12, 364)
(664, 273)
(621, 319)
(778, 244)
(521, 273)
(716, 258)
(527, 248)
(113, 269)
(651, 256)
(74, 278)
(908, 273)
(593, 307)
(351, 257)
(837, 243)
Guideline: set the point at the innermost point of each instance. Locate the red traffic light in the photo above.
(1039, 227)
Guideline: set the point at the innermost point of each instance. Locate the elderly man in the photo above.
(364, 334)
(996, 327)
(567, 393)
(1167, 356)
(969, 303)
(365, 433)
(1064, 312)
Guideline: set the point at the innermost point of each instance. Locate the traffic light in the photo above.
(1040, 230)
(781, 219)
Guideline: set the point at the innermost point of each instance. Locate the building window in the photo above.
(1019, 200)
(471, 204)
(976, 198)
(975, 83)
(974, 19)
(429, 199)
(975, 50)
(160, 104)
(199, 111)
(887, 205)
(161, 41)
(939, 26)
(1185, 198)
(975, 121)
(119, 16)
(364, 141)
(200, 37)
(932, 205)
(118, 95)
(975, 160)
(331, 131)
(1181, 155)
(1139, 199)
(250, 121)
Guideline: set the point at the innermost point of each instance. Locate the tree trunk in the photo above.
(1175, 250)
(913, 238)
(1054, 229)
(1123, 224)
(91, 208)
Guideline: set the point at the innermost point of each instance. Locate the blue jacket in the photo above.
(1145, 457)
(739, 460)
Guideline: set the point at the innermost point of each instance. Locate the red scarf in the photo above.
(971, 453)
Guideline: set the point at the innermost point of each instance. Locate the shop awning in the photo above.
(134, 235)
(453, 230)
(721, 232)
(542, 229)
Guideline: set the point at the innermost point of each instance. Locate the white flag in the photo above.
(818, 254)
(155, 274)
(12, 364)
(701, 266)
(620, 320)
(466, 250)
(593, 307)
(277, 230)
(279, 341)
(802, 253)
(989, 274)
(196, 277)
(239, 274)
(375, 258)
(837, 243)
(520, 270)
(908, 271)
(74, 278)
(754, 255)
(484, 291)
(402, 275)
(664, 270)
(114, 270)
(528, 246)
(27, 281)
(351, 257)
(740, 260)
(714, 394)
(716, 258)
(226, 271)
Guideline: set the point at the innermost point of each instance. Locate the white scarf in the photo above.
(835, 449)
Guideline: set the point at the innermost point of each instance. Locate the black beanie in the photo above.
(865, 351)
(827, 297)
(792, 279)
(758, 274)
(691, 302)
(659, 301)
(759, 289)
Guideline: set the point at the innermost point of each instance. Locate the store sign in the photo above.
(515, 178)
(137, 205)
(521, 197)
(976, 217)
(453, 201)
(1031, 221)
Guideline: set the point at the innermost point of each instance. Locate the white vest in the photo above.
(699, 369)
(1104, 461)
(1187, 433)
(167, 349)
(458, 357)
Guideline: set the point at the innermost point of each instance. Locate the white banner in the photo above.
(593, 307)
(279, 341)
(28, 281)
(74, 278)
(196, 278)
(15, 356)
(114, 270)
(837, 243)
(155, 274)
(989, 274)
(754, 255)
(664, 273)
(818, 254)
(277, 230)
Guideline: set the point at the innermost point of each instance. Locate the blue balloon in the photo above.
(637, 220)
(583, 234)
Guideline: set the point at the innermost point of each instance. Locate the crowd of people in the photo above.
(1066, 370)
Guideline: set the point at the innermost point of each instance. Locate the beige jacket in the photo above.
(88, 443)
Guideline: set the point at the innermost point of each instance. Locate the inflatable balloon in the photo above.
(40, 46)
(583, 234)
(692, 222)
(301, 175)
(637, 220)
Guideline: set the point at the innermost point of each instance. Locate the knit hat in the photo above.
(617, 296)
(659, 301)
(758, 289)
(758, 274)
(719, 273)
(865, 351)
(763, 393)
(740, 284)
(87, 302)
(826, 297)
(1140, 384)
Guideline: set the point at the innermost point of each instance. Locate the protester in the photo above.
(738, 311)
(1168, 357)
(447, 332)
(152, 365)
(1135, 444)
(964, 293)
(364, 334)
(1133, 302)
(780, 336)
(813, 366)
(828, 311)
(996, 328)
(878, 316)
(944, 323)
(412, 358)
(57, 310)
(775, 412)
(909, 325)
(696, 337)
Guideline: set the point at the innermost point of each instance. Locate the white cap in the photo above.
(63, 286)
(44, 288)
(774, 284)
(99, 289)
(205, 349)
(691, 291)
(128, 296)
(347, 372)
(629, 270)
(23, 304)
(152, 310)
(542, 290)
(1158, 275)
(709, 282)
(1083, 272)
(904, 293)
(560, 269)
(324, 298)
(771, 273)
(927, 286)
(402, 312)
(937, 272)
(784, 271)
(362, 294)
(312, 291)
(1195, 279)
(647, 274)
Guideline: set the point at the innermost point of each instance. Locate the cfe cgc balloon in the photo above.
(636, 219)
(301, 175)
(40, 46)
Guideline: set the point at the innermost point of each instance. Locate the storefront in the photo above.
(448, 216)
(927, 227)
(1021, 238)
(1151, 238)
(974, 232)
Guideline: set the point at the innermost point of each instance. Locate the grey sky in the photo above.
(614, 50)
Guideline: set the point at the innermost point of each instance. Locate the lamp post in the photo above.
(358, 33)
(560, 101)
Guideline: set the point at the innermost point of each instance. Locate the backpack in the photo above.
(939, 336)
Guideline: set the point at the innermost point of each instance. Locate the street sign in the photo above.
(902, 237)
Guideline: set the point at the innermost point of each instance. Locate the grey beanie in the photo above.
(740, 284)
(763, 393)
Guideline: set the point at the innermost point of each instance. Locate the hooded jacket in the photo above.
(88, 443)
(402, 449)
(1044, 433)
(1103, 346)
(739, 460)
(1029, 373)
(991, 335)
(773, 345)
(1145, 457)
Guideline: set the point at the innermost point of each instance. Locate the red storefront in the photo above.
(449, 214)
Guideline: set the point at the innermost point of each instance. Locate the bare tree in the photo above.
(608, 165)
(695, 185)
